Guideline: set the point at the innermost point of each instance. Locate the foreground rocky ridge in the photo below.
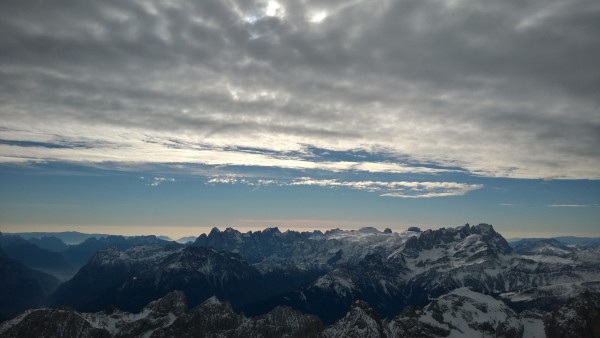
(460, 313)
(165, 317)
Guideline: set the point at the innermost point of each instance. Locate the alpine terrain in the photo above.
(466, 281)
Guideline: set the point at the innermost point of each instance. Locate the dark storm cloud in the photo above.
(499, 88)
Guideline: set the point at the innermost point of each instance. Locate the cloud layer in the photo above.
(499, 89)
(400, 189)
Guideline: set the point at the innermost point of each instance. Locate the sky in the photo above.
(171, 117)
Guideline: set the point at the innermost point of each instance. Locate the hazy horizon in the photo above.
(180, 232)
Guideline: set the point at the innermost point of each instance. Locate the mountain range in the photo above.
(463, 281)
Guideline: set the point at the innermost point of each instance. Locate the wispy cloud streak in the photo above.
(400, 189)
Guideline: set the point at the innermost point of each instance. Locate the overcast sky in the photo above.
(386, 112)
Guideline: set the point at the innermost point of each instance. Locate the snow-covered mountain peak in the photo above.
(446, 249)
(360, 321)
(467, 313)
(338, 280)
(212, 301)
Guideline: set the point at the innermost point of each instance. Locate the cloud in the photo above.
(508, 89)
(568, 206)
(397, 189)
(156, 181)
(401, 189)
(132, 150)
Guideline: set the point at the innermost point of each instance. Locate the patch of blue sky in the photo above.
(62, 193)
(61, 145)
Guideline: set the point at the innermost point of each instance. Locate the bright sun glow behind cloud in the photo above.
(274, 9)
(318, 17)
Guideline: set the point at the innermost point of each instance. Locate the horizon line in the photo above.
(178, 232)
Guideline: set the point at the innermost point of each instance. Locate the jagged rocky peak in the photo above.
(369, 230)
(271, 231)
(223, 240)
(214, 304)
(283, 321)
(227, 233)
(211, 318)
(165, 317)
(333, 231)
(360, 321)
(216, 233)
(215, 318)
(486, 233)
(174, 302)
(414, 229)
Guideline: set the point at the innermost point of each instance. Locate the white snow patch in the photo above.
(533, 328)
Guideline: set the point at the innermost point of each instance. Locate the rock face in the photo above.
(572, 310)
(360, 321)
(579, 317)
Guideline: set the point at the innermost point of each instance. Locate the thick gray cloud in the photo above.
(508, 89)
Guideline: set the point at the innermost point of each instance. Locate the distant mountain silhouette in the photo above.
(50, 243)
(21, 288)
